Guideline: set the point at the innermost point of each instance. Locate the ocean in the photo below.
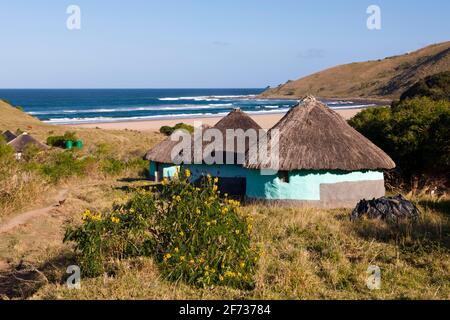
(72, 106)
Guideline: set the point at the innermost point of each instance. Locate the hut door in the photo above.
(159, 172)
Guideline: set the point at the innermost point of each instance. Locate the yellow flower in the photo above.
(216, 180)
(226, 195)
(224, 210)
(176, 249)
(215, 188)
(221, 278)
(181, 233)
(192, 261)
(242, 264)
(198, 211)
(237, 231)
(188, 173)
(165, 182)
(206, 273)
(208, 223)
(115, 220)
(182, 258)
(167, 256)
(209, 177)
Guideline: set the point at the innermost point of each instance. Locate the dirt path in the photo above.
(23, 218)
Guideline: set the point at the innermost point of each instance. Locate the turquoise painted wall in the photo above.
(169, 170)
(152, 168)
(303, 185)
(224, 171)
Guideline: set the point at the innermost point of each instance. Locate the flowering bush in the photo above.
(194, 234)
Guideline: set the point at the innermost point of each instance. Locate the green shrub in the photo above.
(436, 87)
(192, 233)
(60, 141)
(112, 166)
(414, 133)
(65, 164)
(167, 130)
(6, 151)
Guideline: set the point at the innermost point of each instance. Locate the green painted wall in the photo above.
(303, 185)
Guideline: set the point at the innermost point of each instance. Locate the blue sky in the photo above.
(200, 43)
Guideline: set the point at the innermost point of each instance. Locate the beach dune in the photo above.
(266, 121)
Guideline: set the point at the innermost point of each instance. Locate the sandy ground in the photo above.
(266, 121)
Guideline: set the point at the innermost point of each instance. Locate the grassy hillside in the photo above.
(381, 79)
(29, 184)
(307, 253)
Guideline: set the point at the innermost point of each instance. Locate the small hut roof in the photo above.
(236, 119)
(21, 142)
(9, 136)
(162, 151)
(314, 137)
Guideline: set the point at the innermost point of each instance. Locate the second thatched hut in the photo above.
(322, 161)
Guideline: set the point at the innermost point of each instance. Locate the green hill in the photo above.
(381, 79)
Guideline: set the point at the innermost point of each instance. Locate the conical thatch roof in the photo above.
(162, 151)
(235, 120)
(314, 137)
(21, 142)
(9, 136)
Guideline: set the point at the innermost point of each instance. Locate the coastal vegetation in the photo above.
(168, 130)
(414, 131)
(193, 234)
(129, 239)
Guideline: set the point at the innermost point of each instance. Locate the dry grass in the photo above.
(24, 189)
(308, 254)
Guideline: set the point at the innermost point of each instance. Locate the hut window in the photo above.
(283, 176)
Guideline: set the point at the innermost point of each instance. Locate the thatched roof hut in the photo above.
(235, 120)
(161, 152)
(314, 137)
(23, 141)
(9, 136)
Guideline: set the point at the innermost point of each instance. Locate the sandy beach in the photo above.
(266, 121)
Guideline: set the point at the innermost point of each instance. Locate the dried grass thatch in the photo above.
(314, 137)
(23, 141)
(161, 152)
(236, 119)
